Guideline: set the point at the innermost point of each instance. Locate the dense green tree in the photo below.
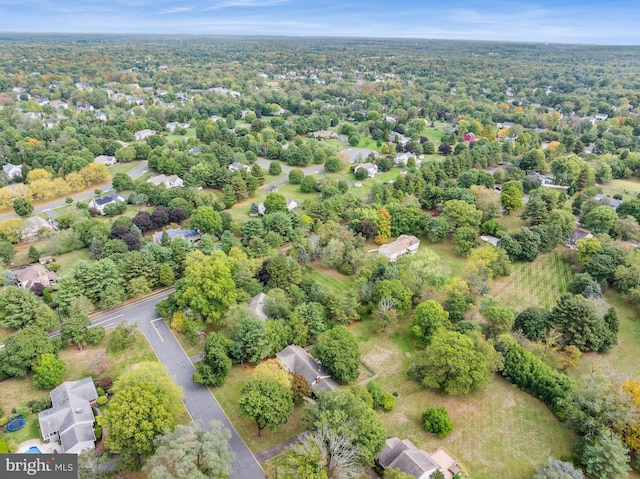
(191, 451)
(339, 353)
(428, 318)
(22, 349)
(49, 371)
(456, 363)
(212, 370)
(511, 196)
(17, 307)
(578, 322)
(7, 251)
(207, 286)
(601, 219)
(460, 213)
(437, 421)
(206, 220)
(22, 206)
(534, 322)
(275, 202)
(267, 402)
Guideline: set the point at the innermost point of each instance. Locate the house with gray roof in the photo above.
(70, 419)
(256, 305)
(172, 181)
(143, 134)
(237, 166)
(105, 160)
(605, 200)
(33, 274)
(406, 457)
(33, 227)
(297, 360)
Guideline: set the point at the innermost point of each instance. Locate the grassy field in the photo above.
(228, 395)
(618, 361)
(539, 283)
(331, 279)
(124, 167)
(452, 261)
(499, 432)
(628, 188)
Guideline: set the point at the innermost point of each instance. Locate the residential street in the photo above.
(200, 402)
(85, 195)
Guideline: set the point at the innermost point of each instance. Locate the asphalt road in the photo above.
(50, 206)
(198, 399)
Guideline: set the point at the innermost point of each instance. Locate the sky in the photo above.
(610, 22)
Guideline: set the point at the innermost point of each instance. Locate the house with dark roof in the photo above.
(70, 419)
(237, 166)
(192, 236)
(404, 456)
(577, 235)
(98, 204)
(296, 360)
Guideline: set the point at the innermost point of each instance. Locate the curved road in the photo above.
(198, 399)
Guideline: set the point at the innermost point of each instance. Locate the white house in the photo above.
(372, 170)
(143, 134)
(237, 166)
(405, 244)
(291, 204)
(12, 170)
(98, 204)
(403, 158)
(173, 181)
(175, 124)
(101, 116)
(70, 420)
(105, 160)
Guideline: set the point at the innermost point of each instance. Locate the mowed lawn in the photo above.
(228, 395)
(499, 432)
(538, 283)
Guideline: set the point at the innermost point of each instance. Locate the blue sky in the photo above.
(564, 21)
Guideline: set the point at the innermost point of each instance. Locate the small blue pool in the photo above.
(33, 450)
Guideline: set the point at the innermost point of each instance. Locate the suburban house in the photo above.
(406, 457)
(405, 244)
(577, 235)
(105, 160)
(372, 169)
(84, 107)
(469, 137)
(143, 134)
(98, 204)
(101, 116)
(173, 181)
(608, 201)
(296, 360)
(327, 134)
(32, 274)
(31, 227)
(59, 104)
(256, 305)
(176, 124)
(12, 170)
(403, 158)
(70, 420)
(401, 139)
(490, 239)
(237, 166)
(192, 236)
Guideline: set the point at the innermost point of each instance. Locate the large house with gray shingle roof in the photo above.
(70, 420)
(296, 360)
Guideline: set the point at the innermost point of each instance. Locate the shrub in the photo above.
(436, 420)
(388, 402)
(102, 400)
(39, 405)
(68, 200)
(3, 446)
(100, 391)
(377, 393)
(23, 411)
(104, 383)
(98, 432)
(3, 421)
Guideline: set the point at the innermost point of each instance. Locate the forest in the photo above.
(447, 229)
